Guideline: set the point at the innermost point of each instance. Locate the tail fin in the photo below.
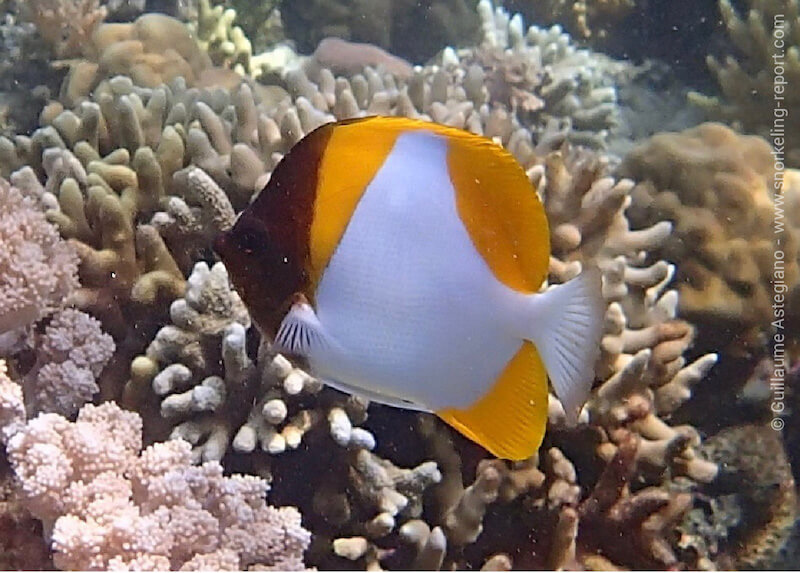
(566, 325)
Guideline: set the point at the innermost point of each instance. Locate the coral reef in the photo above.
(364, 494)
(555, 88)
(108, 505)
(139, 175)
(409, 29)
(589, 19)
(152, 50)
(721, 202)
(37, 268)
(66, 26)
(756, 75)
(70, 355)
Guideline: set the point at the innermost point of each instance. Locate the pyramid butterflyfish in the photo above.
(403, 260)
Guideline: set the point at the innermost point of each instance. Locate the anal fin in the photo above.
(511, 418)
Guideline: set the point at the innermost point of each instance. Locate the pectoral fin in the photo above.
(301, 332)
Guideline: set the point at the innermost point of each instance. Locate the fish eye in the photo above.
(250, 236)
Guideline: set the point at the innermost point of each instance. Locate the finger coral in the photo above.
(153, 49)
(38, 270)
(108, 505)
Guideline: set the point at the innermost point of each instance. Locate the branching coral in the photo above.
(199, 364)
(152, 50)
(756, 77)
(591, 19)
(552, 85)
(721, 202)
(106, 505)
(38, 270)
(71, 354)
(140, 178)
(65, 25)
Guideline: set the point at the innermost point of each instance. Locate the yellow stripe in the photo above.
(495, 200)
(501, 211)
(510, 420)
(354, 154)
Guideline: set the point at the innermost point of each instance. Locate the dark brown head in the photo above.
(267, 250)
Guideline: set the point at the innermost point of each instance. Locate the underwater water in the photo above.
(242, 326)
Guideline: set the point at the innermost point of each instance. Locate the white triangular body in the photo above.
(406, 295)
(408, 311)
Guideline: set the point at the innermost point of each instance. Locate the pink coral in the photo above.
(38, 270)
(108, 506)
(12, 410)
(71, 354)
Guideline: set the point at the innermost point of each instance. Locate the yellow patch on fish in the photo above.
(403, 260)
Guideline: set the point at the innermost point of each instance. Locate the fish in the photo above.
(404, 261)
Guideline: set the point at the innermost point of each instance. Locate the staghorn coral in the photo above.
(37, 269)
(755, 78)
(108, 505)
(721, 202)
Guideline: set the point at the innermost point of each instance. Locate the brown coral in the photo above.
(152, 50)
(718, 188)
(65, 25)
